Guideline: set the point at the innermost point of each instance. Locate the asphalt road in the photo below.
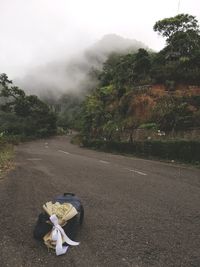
(138, 212)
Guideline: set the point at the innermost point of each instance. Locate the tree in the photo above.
(142, 65)
(179, 56)
(180, 23)
(4, 82)
(109, 69)
(181, 33)
(24, 115)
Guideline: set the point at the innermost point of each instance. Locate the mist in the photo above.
(74, 74)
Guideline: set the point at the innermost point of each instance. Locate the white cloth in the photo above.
(58, 235)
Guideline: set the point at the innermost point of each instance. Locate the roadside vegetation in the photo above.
(156, 94)
(6, 156)
(159, 90)
(22, 117)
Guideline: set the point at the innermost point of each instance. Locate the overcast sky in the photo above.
(33, 32)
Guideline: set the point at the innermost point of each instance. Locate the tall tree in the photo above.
(22, 114)
(180, 23)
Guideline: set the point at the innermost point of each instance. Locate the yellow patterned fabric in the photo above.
(64, 212)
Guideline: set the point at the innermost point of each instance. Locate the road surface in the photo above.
(138, 212)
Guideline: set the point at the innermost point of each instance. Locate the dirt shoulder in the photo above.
(6, 158)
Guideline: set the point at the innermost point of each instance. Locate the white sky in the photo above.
(33, 32)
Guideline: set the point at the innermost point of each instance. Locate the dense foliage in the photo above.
(23, 115)
(180, 150)
(69, 109)
(147, 88)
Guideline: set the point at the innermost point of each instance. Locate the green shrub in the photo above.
(184, 151)
(149, 126)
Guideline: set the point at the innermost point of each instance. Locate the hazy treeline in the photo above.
(23, 116)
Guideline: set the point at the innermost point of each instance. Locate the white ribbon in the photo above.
(58, 235)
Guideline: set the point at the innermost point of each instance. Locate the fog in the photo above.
(44, 43)
(75, 74)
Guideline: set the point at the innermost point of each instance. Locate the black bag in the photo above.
(73, 225)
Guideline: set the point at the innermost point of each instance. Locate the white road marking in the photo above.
(64, 152)
(103, 161)
(34, 159)
(138, 172)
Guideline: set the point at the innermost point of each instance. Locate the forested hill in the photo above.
(147, 89)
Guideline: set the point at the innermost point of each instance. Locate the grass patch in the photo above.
(6, 156)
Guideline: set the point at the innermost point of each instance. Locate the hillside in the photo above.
(144, 89)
